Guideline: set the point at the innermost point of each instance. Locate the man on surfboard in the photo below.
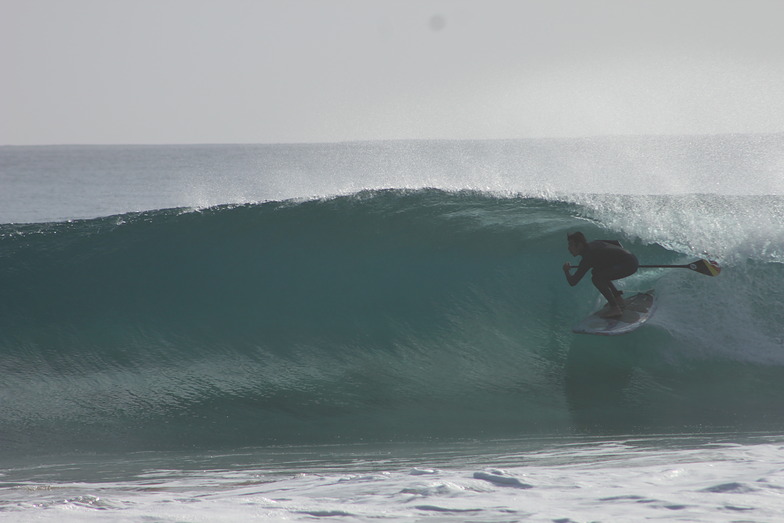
(609, 262)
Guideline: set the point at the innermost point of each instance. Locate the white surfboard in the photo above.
(639, 308)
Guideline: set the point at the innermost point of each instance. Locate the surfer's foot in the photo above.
(612, 311)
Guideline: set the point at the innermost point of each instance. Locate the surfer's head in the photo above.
(577, 242)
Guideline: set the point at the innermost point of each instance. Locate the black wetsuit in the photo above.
(609, 262)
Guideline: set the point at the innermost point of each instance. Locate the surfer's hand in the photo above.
(566, 267)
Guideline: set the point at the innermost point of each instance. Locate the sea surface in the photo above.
(380, 331)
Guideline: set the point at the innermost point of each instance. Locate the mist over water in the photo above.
(57, 183)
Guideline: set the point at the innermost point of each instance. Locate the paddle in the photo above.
(708, 268)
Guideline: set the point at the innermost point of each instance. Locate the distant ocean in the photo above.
(381, 331)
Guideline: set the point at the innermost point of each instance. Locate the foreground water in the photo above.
(706, 477)
(381, 331)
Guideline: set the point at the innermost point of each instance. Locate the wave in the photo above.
(380, 315)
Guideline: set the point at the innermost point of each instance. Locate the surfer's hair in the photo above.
(576, 237)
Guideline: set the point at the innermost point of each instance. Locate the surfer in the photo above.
(609, 262)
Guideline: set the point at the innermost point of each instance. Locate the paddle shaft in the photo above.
(651, 266)
(702, 266)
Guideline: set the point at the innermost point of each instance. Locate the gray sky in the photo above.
(235, 71)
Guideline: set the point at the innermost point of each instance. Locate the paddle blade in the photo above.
(708, 268)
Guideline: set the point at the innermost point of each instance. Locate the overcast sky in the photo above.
(269, 71)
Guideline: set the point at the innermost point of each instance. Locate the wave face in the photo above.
(380, 315)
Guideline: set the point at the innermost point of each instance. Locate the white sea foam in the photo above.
(687, 478)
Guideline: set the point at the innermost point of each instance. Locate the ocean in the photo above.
(380, 331)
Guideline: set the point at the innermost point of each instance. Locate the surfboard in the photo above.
(639, 309)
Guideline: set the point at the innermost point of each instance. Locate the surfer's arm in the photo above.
(575, 278)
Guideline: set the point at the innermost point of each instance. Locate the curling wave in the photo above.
(380, 315)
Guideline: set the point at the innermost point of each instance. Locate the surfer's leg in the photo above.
(602, 280)
(609, 292)
(605, 286)
(618, 295)
(604, 276)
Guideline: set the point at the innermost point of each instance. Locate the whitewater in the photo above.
(381, 331)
